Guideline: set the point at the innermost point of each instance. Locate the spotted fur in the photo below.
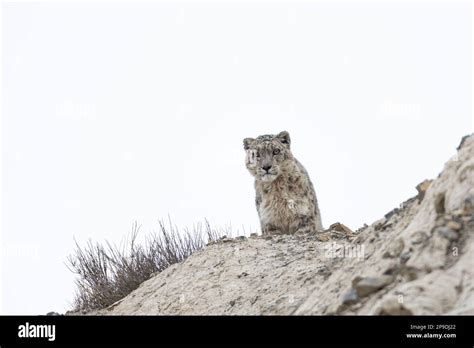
(285, 198)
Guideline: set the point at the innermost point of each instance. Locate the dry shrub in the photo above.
(108, 273)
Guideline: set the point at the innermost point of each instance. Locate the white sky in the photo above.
(116, 113)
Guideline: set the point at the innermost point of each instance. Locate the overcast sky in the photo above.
(121, 113)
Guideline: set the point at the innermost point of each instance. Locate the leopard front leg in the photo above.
(303, 224)
(269, 229)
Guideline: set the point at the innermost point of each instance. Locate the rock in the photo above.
(469, 205)
(379, 224)
(463, 139)
(419, 237)
(361, 229)
(392, 271)
(322, 237)
(324, 271)
(394, 249)
(52, 313)
(253, 235)
(407, 203)
(439, 204)
(410, 273)
(422, 188)
(341, 228)
(456, 226)
(241, 238)
(243, 274)
(368, 285)
(356, 280)
(278, 239)
(405, 256)
(440, 221)
(392, 306)
(447, 233)
(360, 238)
(384, 223)
(391, 213)
(350, 297)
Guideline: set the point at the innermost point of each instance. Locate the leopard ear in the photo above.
(284, 137)
(247, 143)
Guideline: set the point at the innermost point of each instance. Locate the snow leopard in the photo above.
(285, 197)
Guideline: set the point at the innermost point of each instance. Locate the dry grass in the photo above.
(108, 273)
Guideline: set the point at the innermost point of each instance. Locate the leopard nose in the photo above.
(266, 168)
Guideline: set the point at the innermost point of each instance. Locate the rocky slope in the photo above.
(418, 259)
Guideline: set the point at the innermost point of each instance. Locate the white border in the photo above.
(1, 159)
(2, 247)
(254, 2)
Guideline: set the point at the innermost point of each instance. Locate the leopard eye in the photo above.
(276, 151)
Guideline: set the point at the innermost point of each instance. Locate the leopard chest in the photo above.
(278, 206)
